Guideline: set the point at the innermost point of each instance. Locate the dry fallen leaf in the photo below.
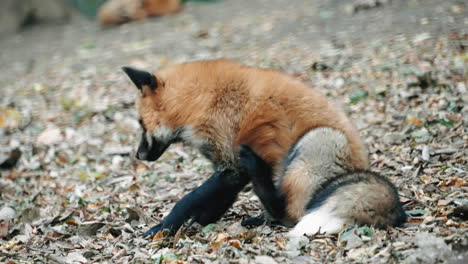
(415, 121)
(264, 260)
(3, 228)
(75, 257)
(235, 243)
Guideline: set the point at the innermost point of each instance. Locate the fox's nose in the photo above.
(142, 155)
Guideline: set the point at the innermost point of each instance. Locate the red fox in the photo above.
(121, 11)
(305, 160)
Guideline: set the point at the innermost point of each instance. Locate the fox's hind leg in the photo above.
(261, 175)
(205, 204)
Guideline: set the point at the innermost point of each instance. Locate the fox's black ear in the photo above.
(141, 78)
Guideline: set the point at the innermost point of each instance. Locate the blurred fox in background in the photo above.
(115, 12)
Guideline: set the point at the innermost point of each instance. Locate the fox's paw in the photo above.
(154, 230)
(167, 228)
(170, 225)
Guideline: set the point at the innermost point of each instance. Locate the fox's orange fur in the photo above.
(227, 104)
(121, 11)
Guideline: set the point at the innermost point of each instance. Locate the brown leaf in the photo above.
(280, 242)
(3, 228)
(140, 167)
(216, 244)
(415, 121)
(158, 236)
(453, 117)
(223, 237)
(235, 243)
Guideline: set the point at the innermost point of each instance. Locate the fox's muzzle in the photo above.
(151, 151)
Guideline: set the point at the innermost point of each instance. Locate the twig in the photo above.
(413, 176)
(419, 202)
(202, 239)
(444, 151)
(416, 172)
(253, 251)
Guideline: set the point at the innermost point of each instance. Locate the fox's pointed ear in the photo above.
(141, 78)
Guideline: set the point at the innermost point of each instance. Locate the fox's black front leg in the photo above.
(261, 175)
(205, 204)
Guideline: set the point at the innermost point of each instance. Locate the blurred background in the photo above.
(41, 34)
(68, 128)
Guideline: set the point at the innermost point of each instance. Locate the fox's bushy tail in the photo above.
(359, 197)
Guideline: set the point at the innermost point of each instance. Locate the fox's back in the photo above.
(264, 109)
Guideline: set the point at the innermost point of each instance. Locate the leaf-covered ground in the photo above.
(77, 194)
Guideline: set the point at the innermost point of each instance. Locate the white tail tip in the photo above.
(318, 220)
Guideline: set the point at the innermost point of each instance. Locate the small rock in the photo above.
(338, 83)
(7, 214)
(89, 254)
(50, 136)
(117, 161)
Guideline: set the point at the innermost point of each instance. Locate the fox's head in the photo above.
(157, 135)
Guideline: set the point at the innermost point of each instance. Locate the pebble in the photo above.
(7, 214)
